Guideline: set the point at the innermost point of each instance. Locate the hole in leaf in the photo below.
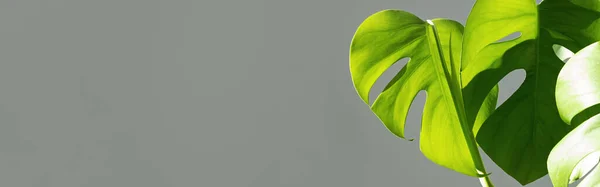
(509, 85)
(386, 78)
(584, 167)
(412, 127)
(538, 1)
(562, 53)
(510, 37)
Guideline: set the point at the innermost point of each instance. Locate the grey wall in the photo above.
(148, 93)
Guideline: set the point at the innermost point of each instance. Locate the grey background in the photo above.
(149, 93)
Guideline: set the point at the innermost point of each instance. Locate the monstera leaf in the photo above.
(520, 133)
(578, 100)
(434, 48)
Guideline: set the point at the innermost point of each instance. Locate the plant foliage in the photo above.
(460, 67)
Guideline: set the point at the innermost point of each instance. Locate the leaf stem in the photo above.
(485, 181)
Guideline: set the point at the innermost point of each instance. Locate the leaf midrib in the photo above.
(456, 100)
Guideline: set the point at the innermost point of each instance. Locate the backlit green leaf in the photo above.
(578, 96)
(434, 48)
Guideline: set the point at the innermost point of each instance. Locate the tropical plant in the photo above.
(460, 67)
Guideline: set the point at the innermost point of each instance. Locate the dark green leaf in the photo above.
(519, 135)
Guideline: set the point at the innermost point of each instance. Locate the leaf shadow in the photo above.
(585, 114)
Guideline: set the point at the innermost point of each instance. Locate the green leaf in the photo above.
(434, 49)
(520, 133)
(583, 167)
(577, 95)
